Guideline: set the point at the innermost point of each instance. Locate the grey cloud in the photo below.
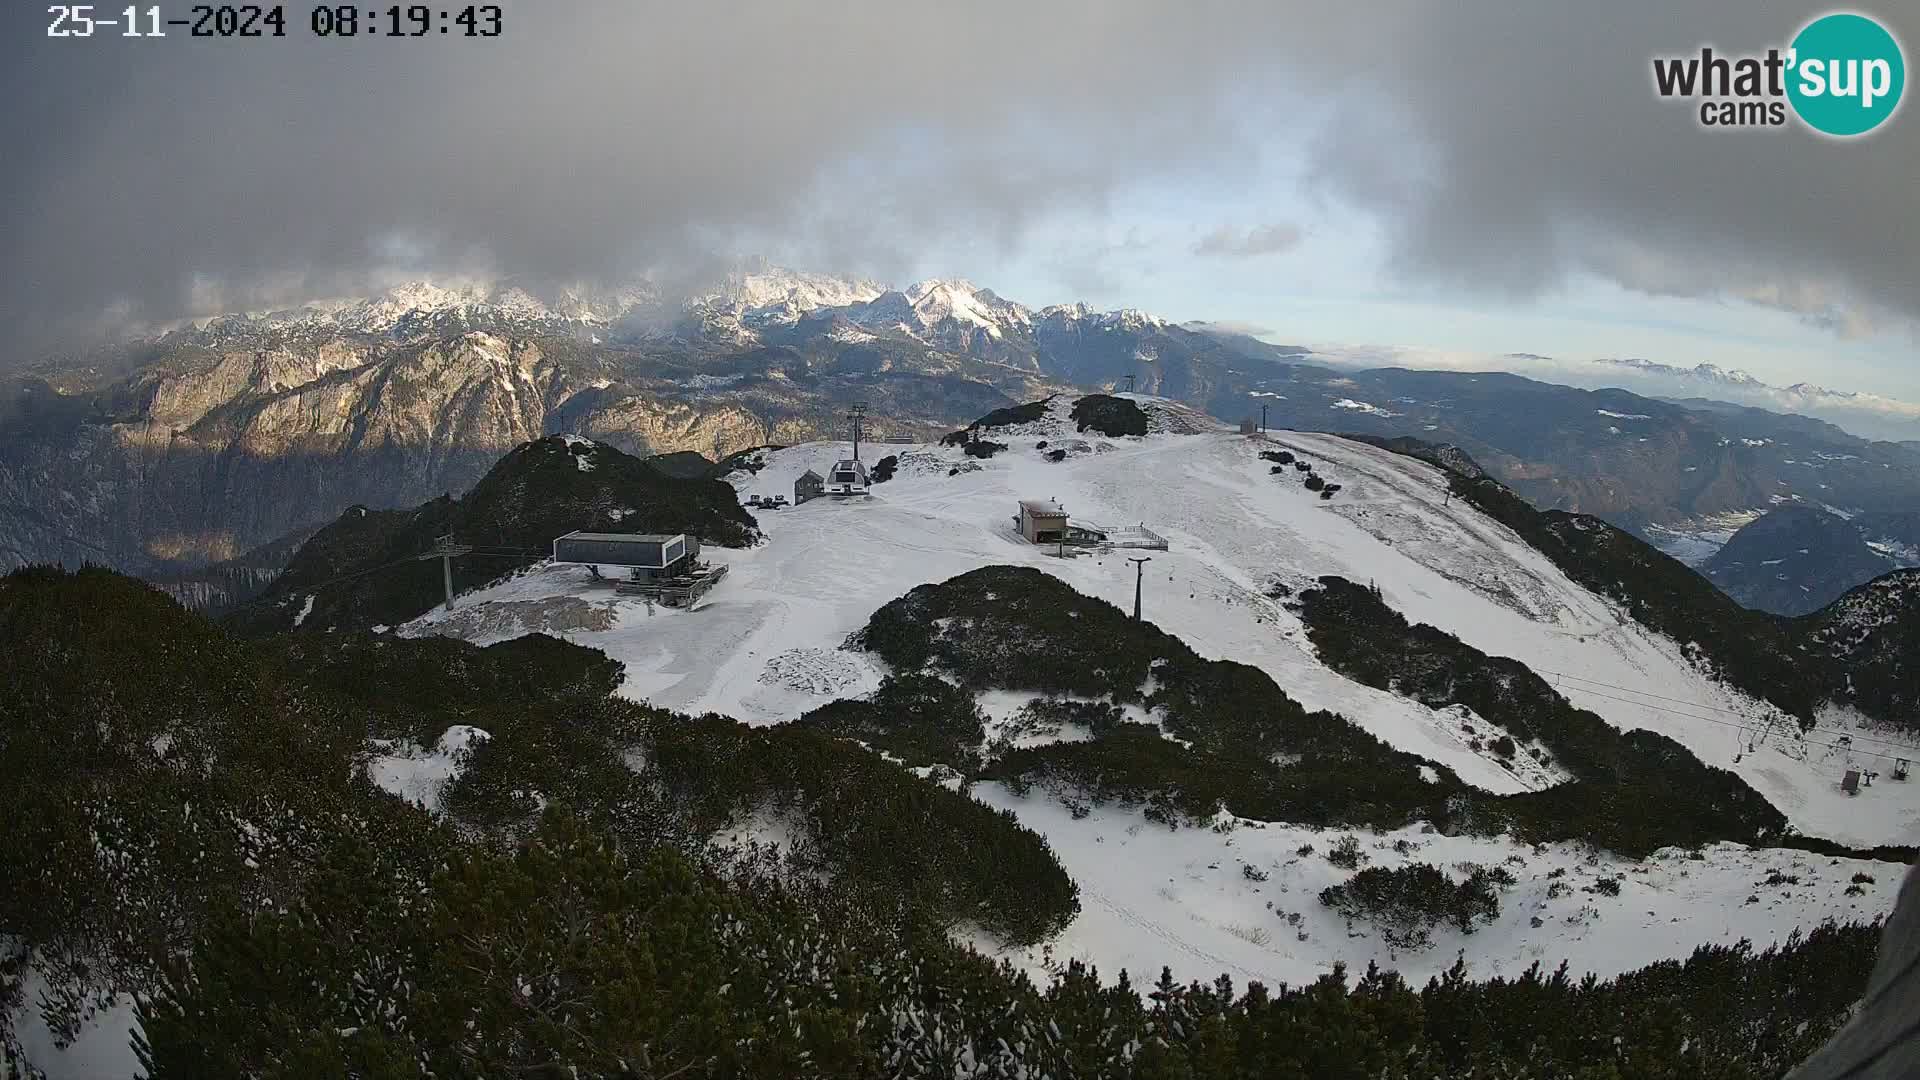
(591, 139)
(1230, 242)
(1501, 147)
(1524, 145)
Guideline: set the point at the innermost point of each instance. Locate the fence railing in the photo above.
(1135, 536)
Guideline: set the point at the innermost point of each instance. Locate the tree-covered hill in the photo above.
(360, 571)
(1866, 646)
(1631, 791)
(1795, 559)
(165, 775)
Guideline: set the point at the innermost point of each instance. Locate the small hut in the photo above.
(1042, 522)
(811, 485)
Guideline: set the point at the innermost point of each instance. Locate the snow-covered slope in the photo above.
(1243, 899)
(764, 647)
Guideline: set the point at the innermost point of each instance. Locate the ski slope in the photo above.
(765, 646)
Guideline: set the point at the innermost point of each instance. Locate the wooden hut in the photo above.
(811, 485)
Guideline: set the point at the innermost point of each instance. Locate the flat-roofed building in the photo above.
(649, 554)
(1041, 522)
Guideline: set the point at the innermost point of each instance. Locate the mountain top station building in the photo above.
(650, 555)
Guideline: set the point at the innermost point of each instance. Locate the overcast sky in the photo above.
(1465, 177)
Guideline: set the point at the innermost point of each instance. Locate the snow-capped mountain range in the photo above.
(151, 455)
(1875, 416)
(738, 309)
(750, 307)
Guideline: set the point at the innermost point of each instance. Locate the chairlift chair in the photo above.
(1900, 766)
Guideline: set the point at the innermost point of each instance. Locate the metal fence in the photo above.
(1136, 536)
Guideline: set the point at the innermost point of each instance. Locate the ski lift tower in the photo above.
(446, 550)
(858, 418)
(849, 475)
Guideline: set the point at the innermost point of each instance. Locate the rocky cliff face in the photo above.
(240, 433)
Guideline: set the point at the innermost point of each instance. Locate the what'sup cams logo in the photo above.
(1842, 75)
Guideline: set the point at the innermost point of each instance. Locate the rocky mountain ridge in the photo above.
(156, 456)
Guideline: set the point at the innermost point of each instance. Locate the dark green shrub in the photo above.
(1109, 415)
(1408, 902)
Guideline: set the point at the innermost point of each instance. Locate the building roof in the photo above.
(626, 538)
(811, 473)
(1036, 508)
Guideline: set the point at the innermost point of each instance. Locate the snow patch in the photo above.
(419, 775)
(1361, 406)
(817, 672)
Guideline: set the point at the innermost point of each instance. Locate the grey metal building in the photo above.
(649, 554)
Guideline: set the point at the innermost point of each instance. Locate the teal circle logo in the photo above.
(1846, 74)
